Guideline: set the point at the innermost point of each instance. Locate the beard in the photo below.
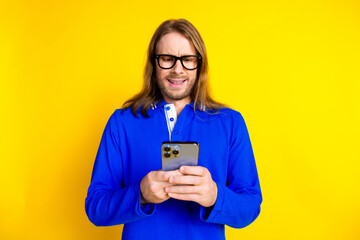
(176, 93)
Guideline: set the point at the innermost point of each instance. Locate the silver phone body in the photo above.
(177, 154)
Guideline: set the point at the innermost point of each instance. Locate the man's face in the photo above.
(175, 83)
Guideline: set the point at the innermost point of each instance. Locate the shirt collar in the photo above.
(162, 103)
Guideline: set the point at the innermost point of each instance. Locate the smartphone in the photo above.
(177, 154)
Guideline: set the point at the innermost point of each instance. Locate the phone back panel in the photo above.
(177, 154)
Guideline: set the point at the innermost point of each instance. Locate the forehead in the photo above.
(175, 43)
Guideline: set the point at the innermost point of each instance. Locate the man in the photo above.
(193, 202)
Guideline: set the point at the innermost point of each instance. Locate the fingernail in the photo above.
(171, 179)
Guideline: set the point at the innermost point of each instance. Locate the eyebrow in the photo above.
(191, 54)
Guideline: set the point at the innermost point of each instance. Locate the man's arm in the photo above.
(238, 203)
(109, 202)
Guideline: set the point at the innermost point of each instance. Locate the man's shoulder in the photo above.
(123, 117)
(126, 114)
(229, 111)
(123, 111)
(226, 113)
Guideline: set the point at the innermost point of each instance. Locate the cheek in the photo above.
(160, 73)
(192, 75)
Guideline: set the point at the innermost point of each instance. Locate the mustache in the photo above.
(175, 77)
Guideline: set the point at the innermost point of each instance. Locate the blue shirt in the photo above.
(131, 147)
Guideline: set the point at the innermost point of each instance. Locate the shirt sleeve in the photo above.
(108, 201)
(238, 203)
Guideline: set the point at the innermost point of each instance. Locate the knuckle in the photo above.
(150, 176)
(174, 179)
(198, 181)
(167, 175)
(152, 188)
(159, 196)
(162, 177)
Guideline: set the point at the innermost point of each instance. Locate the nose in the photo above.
(178, 68)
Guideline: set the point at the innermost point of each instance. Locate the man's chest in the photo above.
(141, 146)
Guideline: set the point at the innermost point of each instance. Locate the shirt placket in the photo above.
(171, 118)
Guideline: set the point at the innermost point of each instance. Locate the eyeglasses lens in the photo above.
(189, 62)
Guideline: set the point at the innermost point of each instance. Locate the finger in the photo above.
(174, 173)
(163, 185)
(188, 179)
(163, 176)
(193, 170)
(185, 197)
(159, 176)
(182, 189)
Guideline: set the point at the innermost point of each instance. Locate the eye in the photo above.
(188, 59)
(167, 58)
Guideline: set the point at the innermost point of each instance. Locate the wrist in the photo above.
(215, 193)
(142, 199)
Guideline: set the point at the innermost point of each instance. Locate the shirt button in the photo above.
(176, 132)
(172, 119)
(167, 108)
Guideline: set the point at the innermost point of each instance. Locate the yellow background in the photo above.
(290, 67)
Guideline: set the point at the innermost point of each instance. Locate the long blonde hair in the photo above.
(151, 94)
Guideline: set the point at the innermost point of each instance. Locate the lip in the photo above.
(176, 82)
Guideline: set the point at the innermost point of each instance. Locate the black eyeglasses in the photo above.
(189, 62)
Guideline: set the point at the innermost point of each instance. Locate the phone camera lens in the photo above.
(167, 149)
(175, 152)
(167, 155)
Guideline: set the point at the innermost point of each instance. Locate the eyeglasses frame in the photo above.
(178, 58)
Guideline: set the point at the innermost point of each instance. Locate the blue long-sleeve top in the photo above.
(131, 147)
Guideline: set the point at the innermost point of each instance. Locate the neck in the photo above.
(179, 104)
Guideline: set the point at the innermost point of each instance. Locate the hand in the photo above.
(194, 184)
(153, 185)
